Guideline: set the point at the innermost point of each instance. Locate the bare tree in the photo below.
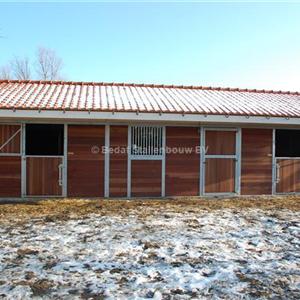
(20, 68)
(48, 65)
(5, 72)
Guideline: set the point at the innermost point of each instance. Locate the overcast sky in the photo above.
(238, 45)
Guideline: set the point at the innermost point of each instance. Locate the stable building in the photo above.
(86, 139)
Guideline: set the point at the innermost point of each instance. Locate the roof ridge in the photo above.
(223, 89)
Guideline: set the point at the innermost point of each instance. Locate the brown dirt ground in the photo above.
(63, 209)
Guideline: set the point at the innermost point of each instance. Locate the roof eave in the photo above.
(114, 116)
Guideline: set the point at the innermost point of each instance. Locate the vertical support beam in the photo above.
(65, 162)
(163, 163)
(106, 161)
(273, 162)
(202, 162)
(238, 161)
(23, 160)
(129, 163)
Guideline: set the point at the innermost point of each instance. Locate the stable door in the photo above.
(44, 160)
(220, 161)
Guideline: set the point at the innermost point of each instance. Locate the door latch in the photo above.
(60, 174)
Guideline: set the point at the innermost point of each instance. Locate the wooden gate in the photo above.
(86, 160)
(287, 176)
(220, 161)
(44, 176)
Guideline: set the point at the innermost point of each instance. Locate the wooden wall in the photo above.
(256, 173)
(86, 161)
(146, 178)
(182, 170)
(10, 166)
(10, 176)
(86, 168)
(118, 161)
(42, 176)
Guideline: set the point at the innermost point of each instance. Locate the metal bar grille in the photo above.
(146, 140)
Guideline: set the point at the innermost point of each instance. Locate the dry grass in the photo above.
(56, 209)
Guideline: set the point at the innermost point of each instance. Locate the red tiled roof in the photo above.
(129, 97)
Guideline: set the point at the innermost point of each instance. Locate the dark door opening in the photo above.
(44, 149)
(287, 143)
(44, 139)
(287, 156)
